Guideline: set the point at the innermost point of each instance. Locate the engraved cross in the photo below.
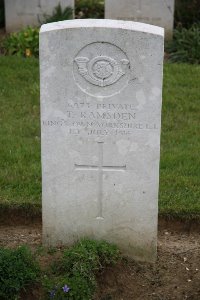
(100, 168)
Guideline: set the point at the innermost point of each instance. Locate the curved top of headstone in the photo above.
(103, 23)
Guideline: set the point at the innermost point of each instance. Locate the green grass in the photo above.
(20, 174)
(180, 144)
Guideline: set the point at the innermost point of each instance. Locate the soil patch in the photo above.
(175, 275)
(18, 216)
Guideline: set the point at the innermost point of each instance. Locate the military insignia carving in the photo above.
(101, 70)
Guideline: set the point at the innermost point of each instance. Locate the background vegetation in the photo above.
(185, 46)
(59, 14)
(89, 9)
(187, 12)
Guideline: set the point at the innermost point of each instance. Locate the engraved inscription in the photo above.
(101, 70)
(99, 119)
(100, 168)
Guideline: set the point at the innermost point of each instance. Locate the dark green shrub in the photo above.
(187, 12)
(23, 43)
(59, 14)
(17, 271)
(89, 9)
(185, 46)
(79, 265)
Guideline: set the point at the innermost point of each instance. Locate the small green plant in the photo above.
(18, 270)
(185, 46)
(23, 43)
(94, 254)
(75, 277)
(71, 287)
(89, 9)
(59, 14)
(51, 250)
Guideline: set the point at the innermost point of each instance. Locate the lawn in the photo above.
(180, 143)
(20, 175)
(20, 171)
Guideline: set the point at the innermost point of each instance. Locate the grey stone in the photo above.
(101, 91)
(155, 12)
(22, 13)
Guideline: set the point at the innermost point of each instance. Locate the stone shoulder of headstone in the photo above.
(101, 95)
(103, 23)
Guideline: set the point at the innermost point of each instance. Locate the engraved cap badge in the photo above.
(101, 70)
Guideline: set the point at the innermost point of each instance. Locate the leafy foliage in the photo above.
(17, 270)
(59, 14)
(185, 46)
(78, 268)
(89, 9)
(23, 43)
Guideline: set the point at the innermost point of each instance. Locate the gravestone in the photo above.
(155, 12)
(101, 89)
(22, 13)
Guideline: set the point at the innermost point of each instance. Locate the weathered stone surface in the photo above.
(101, 89)
(155, 12)
(22, 13)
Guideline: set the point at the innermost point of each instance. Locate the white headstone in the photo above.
(22, 13)
(155, 12)
(101, 90)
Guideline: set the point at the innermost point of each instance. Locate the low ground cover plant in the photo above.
(71, 275)
(18, 271)
(75, 276)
